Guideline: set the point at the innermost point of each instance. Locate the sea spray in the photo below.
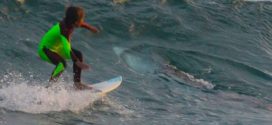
(20, 95)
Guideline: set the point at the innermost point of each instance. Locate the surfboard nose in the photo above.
(118, 78)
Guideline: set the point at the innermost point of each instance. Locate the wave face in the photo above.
(183, 62)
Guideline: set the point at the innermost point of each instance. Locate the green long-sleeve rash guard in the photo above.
(56, 42)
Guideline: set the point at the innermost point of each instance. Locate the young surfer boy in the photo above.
(55, 45)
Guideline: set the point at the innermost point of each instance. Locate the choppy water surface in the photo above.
(183, 62)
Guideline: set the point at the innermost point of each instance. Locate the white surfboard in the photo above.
(107, 86)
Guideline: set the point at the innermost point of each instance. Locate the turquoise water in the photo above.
(195, 62)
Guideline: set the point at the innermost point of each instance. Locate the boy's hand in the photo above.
(82, 65)
(95, 30)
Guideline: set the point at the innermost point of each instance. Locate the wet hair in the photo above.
(73, 14)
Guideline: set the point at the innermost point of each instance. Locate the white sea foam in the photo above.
(38, 99)
(192, 81)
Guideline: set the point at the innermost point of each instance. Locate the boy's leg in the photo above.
(57, 72)
(76, 69)
(56, 60)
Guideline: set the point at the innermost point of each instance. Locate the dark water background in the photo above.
(193, 62)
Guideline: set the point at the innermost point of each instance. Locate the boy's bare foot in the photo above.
(82, 86)
(51, 81)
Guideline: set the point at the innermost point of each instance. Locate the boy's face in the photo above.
(79, 22)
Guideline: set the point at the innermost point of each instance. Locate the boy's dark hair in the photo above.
(73, 14)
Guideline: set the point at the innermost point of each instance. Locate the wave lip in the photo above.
(259, 0)
(187, 78)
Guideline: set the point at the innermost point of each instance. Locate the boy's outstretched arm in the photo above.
(89, 27)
